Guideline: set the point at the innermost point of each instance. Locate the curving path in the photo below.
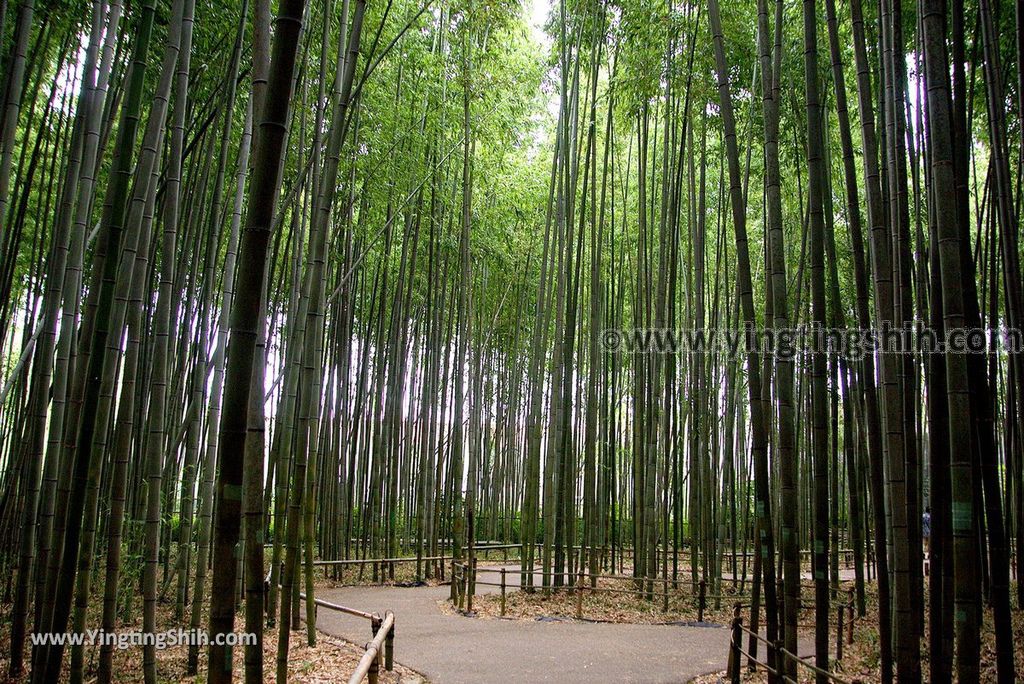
(451, 648)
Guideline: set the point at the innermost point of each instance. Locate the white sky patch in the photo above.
(915, 87)
(68, 82)
(537, 12)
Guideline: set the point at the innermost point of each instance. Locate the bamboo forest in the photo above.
(511, 341)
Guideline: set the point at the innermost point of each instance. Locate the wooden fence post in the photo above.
(372, 674)
(734, 645)
(375, 663)
(503, 592)
(389, 648)
(701, 600)
(579, 595)
(464, 571)
(462, 586)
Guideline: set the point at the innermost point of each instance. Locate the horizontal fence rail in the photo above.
(382, 645)
(383, 638)
(365, 561)
(737, 652)
(465, 579)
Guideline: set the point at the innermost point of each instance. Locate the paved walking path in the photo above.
(450, 648)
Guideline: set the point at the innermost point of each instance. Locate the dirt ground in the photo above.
(332, 659)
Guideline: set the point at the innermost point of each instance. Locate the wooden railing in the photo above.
(381, 646)
(737, 652)
(436, 562)
(465, 579)
(383, 643)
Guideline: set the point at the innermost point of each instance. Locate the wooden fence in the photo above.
(380, 647)
(737, 652)
(465, 580)
(383, 642)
